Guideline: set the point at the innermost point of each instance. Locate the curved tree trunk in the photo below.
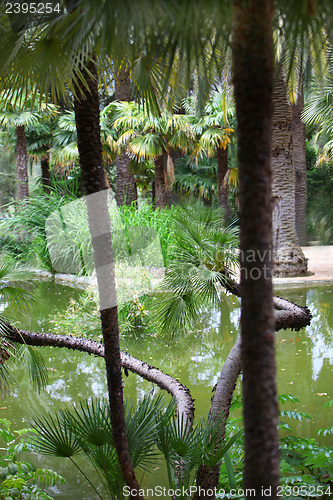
(289, 259)
(86, 106)
(182, 395)
(223, 191)
(252, 55)
(160, 190)
(126, 190)
(21, 163)
(286, 315)
(299, 161)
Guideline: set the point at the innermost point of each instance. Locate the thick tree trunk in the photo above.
(46, 174)
(289, 259)
(299, 161)
(21, 163)
(126, 190)
(160, 190)
(86, 106)
(253, 83)
(223, 191)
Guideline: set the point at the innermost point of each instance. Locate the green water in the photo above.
(304, 367)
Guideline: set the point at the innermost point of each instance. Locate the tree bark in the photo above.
(252, 55)
(126, 190)
(286, 315)
(289, 259)
(21, 163)
(46, 175)
(299, 161)
(86, 107)
(223, 191)
(160, 191)
(182, 395)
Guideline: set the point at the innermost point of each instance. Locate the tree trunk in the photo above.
(86, 106)
(286, 315)
(160, 190)
(223, 191)
(21, 163)
(299, 161)
(182, 395)
(46, 175)
(252, 55)
(289, 259)
(126, 191)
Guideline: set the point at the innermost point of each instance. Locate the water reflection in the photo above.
(304, 363)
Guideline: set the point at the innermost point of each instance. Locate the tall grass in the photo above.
(159, 219)
(23, 229)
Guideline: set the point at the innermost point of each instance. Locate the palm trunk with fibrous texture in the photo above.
(289, 259)
(299, 161)
(286, 315)
(21, 163)
(86, 107)
(253, 61)
(160, 189)
(126, 190)
(223, 191)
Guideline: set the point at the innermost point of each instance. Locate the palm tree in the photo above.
(252, 54)
(213, 130)
(289, 259)
(16, 115)
(147, 136)
(126, 190)
(299, 162)
(253, 79)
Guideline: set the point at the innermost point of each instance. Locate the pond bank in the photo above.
(320, 264)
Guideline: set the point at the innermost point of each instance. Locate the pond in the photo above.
(304, 367)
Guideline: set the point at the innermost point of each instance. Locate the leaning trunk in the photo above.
(21, 163)
(289, 259)
(223, 191)
(160, 190)
(253, 83)
(86, 106)
(126, 191)
(299, 161)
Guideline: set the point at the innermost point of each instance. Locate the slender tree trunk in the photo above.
(223, 191)
(160, 190)
(46, 174)
(86, 106)
(299, 161)
(126, 190)
(21, 163)
(253, 83)
(289, 259)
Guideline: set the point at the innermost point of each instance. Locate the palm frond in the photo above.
(53, 437)
(33, 364)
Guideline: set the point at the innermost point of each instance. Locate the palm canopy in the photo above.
(159, 40)
(146, 135)
(21, 110)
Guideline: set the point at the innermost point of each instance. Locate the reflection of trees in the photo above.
(319, 301)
